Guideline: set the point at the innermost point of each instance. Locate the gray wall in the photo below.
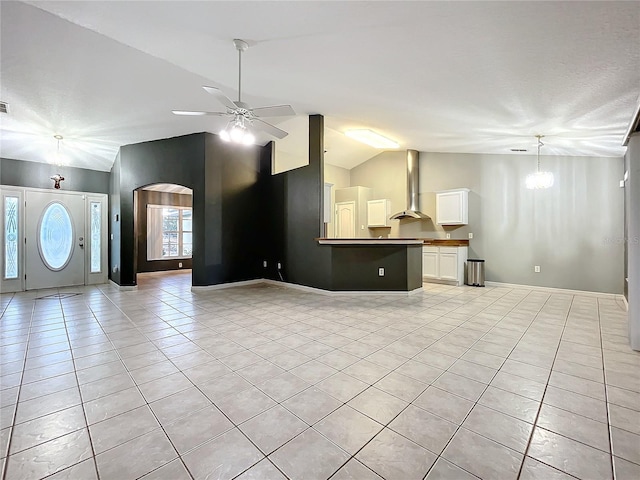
(36, 175)
(633, 239)
(573, 230)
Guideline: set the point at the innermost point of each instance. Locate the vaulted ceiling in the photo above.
(473, 77)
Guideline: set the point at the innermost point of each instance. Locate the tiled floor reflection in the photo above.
(266, 382)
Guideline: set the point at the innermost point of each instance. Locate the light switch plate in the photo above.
(536, 269)
(470, 235)
(448, 235)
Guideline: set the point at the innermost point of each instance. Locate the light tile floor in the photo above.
(266, 382)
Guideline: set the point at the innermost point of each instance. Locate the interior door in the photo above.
(55, 237)
(346, 220)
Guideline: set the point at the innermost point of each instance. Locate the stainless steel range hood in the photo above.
(413, 184)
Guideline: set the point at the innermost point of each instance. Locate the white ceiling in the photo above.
(480, 77)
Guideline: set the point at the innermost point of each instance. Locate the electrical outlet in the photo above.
(536, 269)
(115, 268)
(179, 264)
(112, 236)
(264, 263)
(381, 272)
(279, 265)
(448, 235)
(470, 235)
(361, 227)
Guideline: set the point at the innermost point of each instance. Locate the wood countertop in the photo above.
(438, 242)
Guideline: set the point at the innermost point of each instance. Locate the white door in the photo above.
(55, 240)
(346, 220)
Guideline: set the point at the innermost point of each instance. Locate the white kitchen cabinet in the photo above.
(444, 264)
(452, 207)
(430, 262)
(378, 212)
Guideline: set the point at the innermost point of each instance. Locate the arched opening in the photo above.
(163, 228)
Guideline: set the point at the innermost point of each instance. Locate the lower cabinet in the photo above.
(444, 264)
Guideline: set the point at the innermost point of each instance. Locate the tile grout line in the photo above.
(84, 413)
(606, 396)
(535, 421)
(487, 387)
(5, 462)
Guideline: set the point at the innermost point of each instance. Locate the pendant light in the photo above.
(59, 158)
(539, 180)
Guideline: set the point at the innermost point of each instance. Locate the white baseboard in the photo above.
(222, 286)
(295, 286)
(614, 296)
(321, 291)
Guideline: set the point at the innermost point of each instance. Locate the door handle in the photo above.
(81, 242)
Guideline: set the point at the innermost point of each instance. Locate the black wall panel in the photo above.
(306, 263)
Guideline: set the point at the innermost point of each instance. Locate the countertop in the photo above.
(438, 242)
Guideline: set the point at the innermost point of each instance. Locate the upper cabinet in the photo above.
(452, 207)
(378, 213)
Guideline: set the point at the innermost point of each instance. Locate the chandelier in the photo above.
(539, 180)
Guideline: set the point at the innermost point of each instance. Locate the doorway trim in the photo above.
(18, 284)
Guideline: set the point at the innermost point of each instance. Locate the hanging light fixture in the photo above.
(539, 180)
(58, 158)
(236, 131)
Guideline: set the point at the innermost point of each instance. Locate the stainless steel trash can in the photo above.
(475, 272)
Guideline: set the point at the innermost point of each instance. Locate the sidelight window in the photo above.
(10, 237)
(96, 226)
(169, 232)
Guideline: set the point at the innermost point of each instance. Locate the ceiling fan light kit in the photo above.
(539, 180)
(371, 138)
(245, 118)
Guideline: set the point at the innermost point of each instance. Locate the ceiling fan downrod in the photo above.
(241, 46)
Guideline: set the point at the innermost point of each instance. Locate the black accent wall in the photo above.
(226, 202)
(37, 175)
(306, 263)
(142, 198)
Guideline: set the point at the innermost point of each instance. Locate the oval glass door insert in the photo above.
(55, 236)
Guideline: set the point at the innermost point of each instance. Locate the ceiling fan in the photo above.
(243, 116)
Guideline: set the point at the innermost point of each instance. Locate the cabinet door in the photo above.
(451, 208)
(377, 213)
(430, 264)
(448, 266)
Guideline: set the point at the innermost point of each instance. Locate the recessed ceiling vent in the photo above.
(4, 107)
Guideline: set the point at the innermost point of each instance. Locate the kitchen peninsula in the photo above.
(375, 264)
(379, 264)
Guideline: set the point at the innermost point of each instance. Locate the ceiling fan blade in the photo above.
(270, 129)
(189, 112)
(222, 98)
(274, 111)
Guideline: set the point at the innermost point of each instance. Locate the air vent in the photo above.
(518, 149)
(4, 107)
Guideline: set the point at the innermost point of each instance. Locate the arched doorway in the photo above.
(163, 226)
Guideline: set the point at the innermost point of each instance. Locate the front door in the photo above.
(55, 240)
